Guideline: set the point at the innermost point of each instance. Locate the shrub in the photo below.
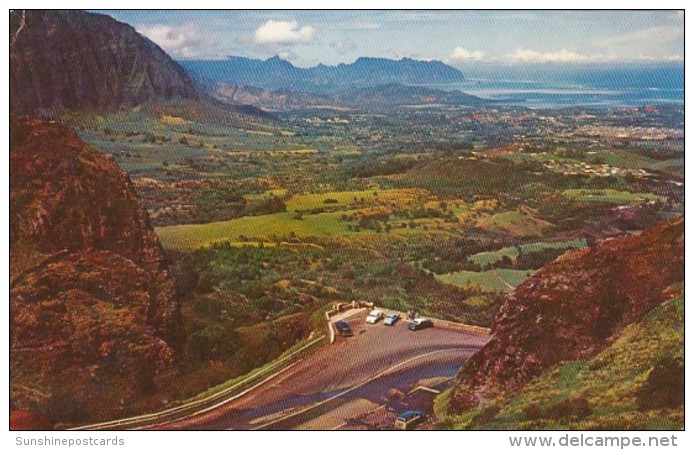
(664, 387)
(533, 412)
(485, 416)
(64, 406)
(571, 408)
(212, 342)
(268, 205)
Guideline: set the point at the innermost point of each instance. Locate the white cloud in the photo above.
(669, 58)
(343, 47)
(664, 43)
(278, 32)
(462, 54)
(288, 55)
(563, 56)
(364, 25)
(522, 55)
(650, 37)
(182, 42)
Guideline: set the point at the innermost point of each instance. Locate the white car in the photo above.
(374, 316)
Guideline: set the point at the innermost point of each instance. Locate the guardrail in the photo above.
(197, 406)
(340, 308)
(251, 382)
(331, 327)
(454, 326)
(439, 323)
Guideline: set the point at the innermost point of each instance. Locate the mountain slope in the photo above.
(381, 97)
(94, 315)
(573, 308)
(393, 95)
(277, 74)
(636, 383)
(82, 61)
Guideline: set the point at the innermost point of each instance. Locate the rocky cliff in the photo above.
(573, 308)
(94, 316)
(82, 61)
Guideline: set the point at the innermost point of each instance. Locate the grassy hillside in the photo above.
(609, 196)
(500, 280)
(633, 384)
(484, 259)
(515, 223)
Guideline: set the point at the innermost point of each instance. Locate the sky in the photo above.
(459, 38)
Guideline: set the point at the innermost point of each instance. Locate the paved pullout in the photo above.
(344, 380)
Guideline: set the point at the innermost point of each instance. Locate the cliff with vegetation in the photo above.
(93, 310)
(588, 307)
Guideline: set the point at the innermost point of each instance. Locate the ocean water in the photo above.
(545, 86)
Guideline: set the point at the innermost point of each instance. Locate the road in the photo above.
(343, 381)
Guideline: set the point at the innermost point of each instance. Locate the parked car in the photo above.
(391, 319)
(420, 324)
(409, 419)
(374, 316)
(343, 328)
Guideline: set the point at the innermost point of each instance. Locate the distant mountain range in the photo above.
(81, 61)
(398, 95)
(276, 74)
(382, 97)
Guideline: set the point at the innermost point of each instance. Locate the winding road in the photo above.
(343, 381)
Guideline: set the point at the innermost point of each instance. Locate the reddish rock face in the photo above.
(572, 308)
(21, 420)
(94, 316)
